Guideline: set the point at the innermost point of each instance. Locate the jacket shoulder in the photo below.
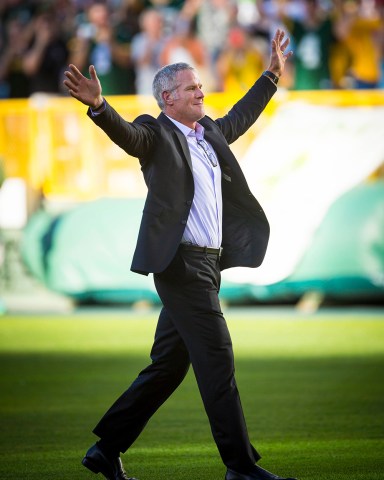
(146, 118)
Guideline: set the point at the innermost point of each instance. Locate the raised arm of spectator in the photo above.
(44, 33)
(80, 47)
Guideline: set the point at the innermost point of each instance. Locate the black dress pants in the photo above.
(191, 330)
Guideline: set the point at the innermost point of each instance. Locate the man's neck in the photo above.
(180, 125)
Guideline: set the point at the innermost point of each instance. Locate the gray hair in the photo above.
(165, 80)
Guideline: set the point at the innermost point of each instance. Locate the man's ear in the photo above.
(167, 98)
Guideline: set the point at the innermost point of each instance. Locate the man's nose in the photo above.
(199, 93)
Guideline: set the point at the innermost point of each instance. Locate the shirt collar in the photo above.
(198, 133)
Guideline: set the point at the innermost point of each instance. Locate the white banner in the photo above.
(300, 163)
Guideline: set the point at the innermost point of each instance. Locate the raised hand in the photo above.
(278, 55)
(86, 90)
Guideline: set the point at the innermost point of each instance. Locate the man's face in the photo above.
(185, 103)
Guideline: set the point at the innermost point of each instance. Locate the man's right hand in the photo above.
(86, 90)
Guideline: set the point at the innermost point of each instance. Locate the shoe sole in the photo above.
(93, 467)
(90, 465)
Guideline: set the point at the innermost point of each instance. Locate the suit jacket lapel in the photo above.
(180, 136)
(225, 156)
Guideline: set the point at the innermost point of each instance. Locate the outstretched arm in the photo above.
(247, 110)
(134, 138)
(86, 90)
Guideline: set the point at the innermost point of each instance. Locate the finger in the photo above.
(70, 77)
(285, 44)
(278, 37)
(92, 72)
(74, 94)
(274, 45)
(75, 71)
(69, 85)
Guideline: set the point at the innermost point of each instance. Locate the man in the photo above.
(199, 218)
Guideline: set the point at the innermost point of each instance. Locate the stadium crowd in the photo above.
(337, 44)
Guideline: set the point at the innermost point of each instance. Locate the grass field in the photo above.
(312, 390)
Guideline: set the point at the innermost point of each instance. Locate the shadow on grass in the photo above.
(317, 418)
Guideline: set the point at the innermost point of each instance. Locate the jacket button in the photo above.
(184, 222)
(189, 202)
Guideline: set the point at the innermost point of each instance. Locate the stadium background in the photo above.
(71, 201)
(309, 356)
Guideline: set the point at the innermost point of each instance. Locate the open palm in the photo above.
(86, 90)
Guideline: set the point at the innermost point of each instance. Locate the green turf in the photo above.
(312, 391)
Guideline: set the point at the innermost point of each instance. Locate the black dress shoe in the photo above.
(258, 474)
(112, 468)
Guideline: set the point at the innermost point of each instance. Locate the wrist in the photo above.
(273, 77)
(275, 68)
(98, 104)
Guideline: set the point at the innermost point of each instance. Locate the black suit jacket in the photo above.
(167, 168)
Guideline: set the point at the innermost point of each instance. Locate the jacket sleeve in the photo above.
(247, 110)
(136, 138)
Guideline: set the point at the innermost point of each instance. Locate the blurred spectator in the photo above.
(215, 18)
(263, 23)
(380, 8)
(146, 49)
(360, 27)
(313, 39)
(272, 13)
(240, 62)
(127, 17)
(169, 10)
(13, 80)
(23, 10)
(267, 19)
(105, 45)
(67, 14)
(345, 50)
(184, 45)
(174, 4)
(45, 60)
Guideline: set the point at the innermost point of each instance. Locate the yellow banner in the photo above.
(52, 144)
